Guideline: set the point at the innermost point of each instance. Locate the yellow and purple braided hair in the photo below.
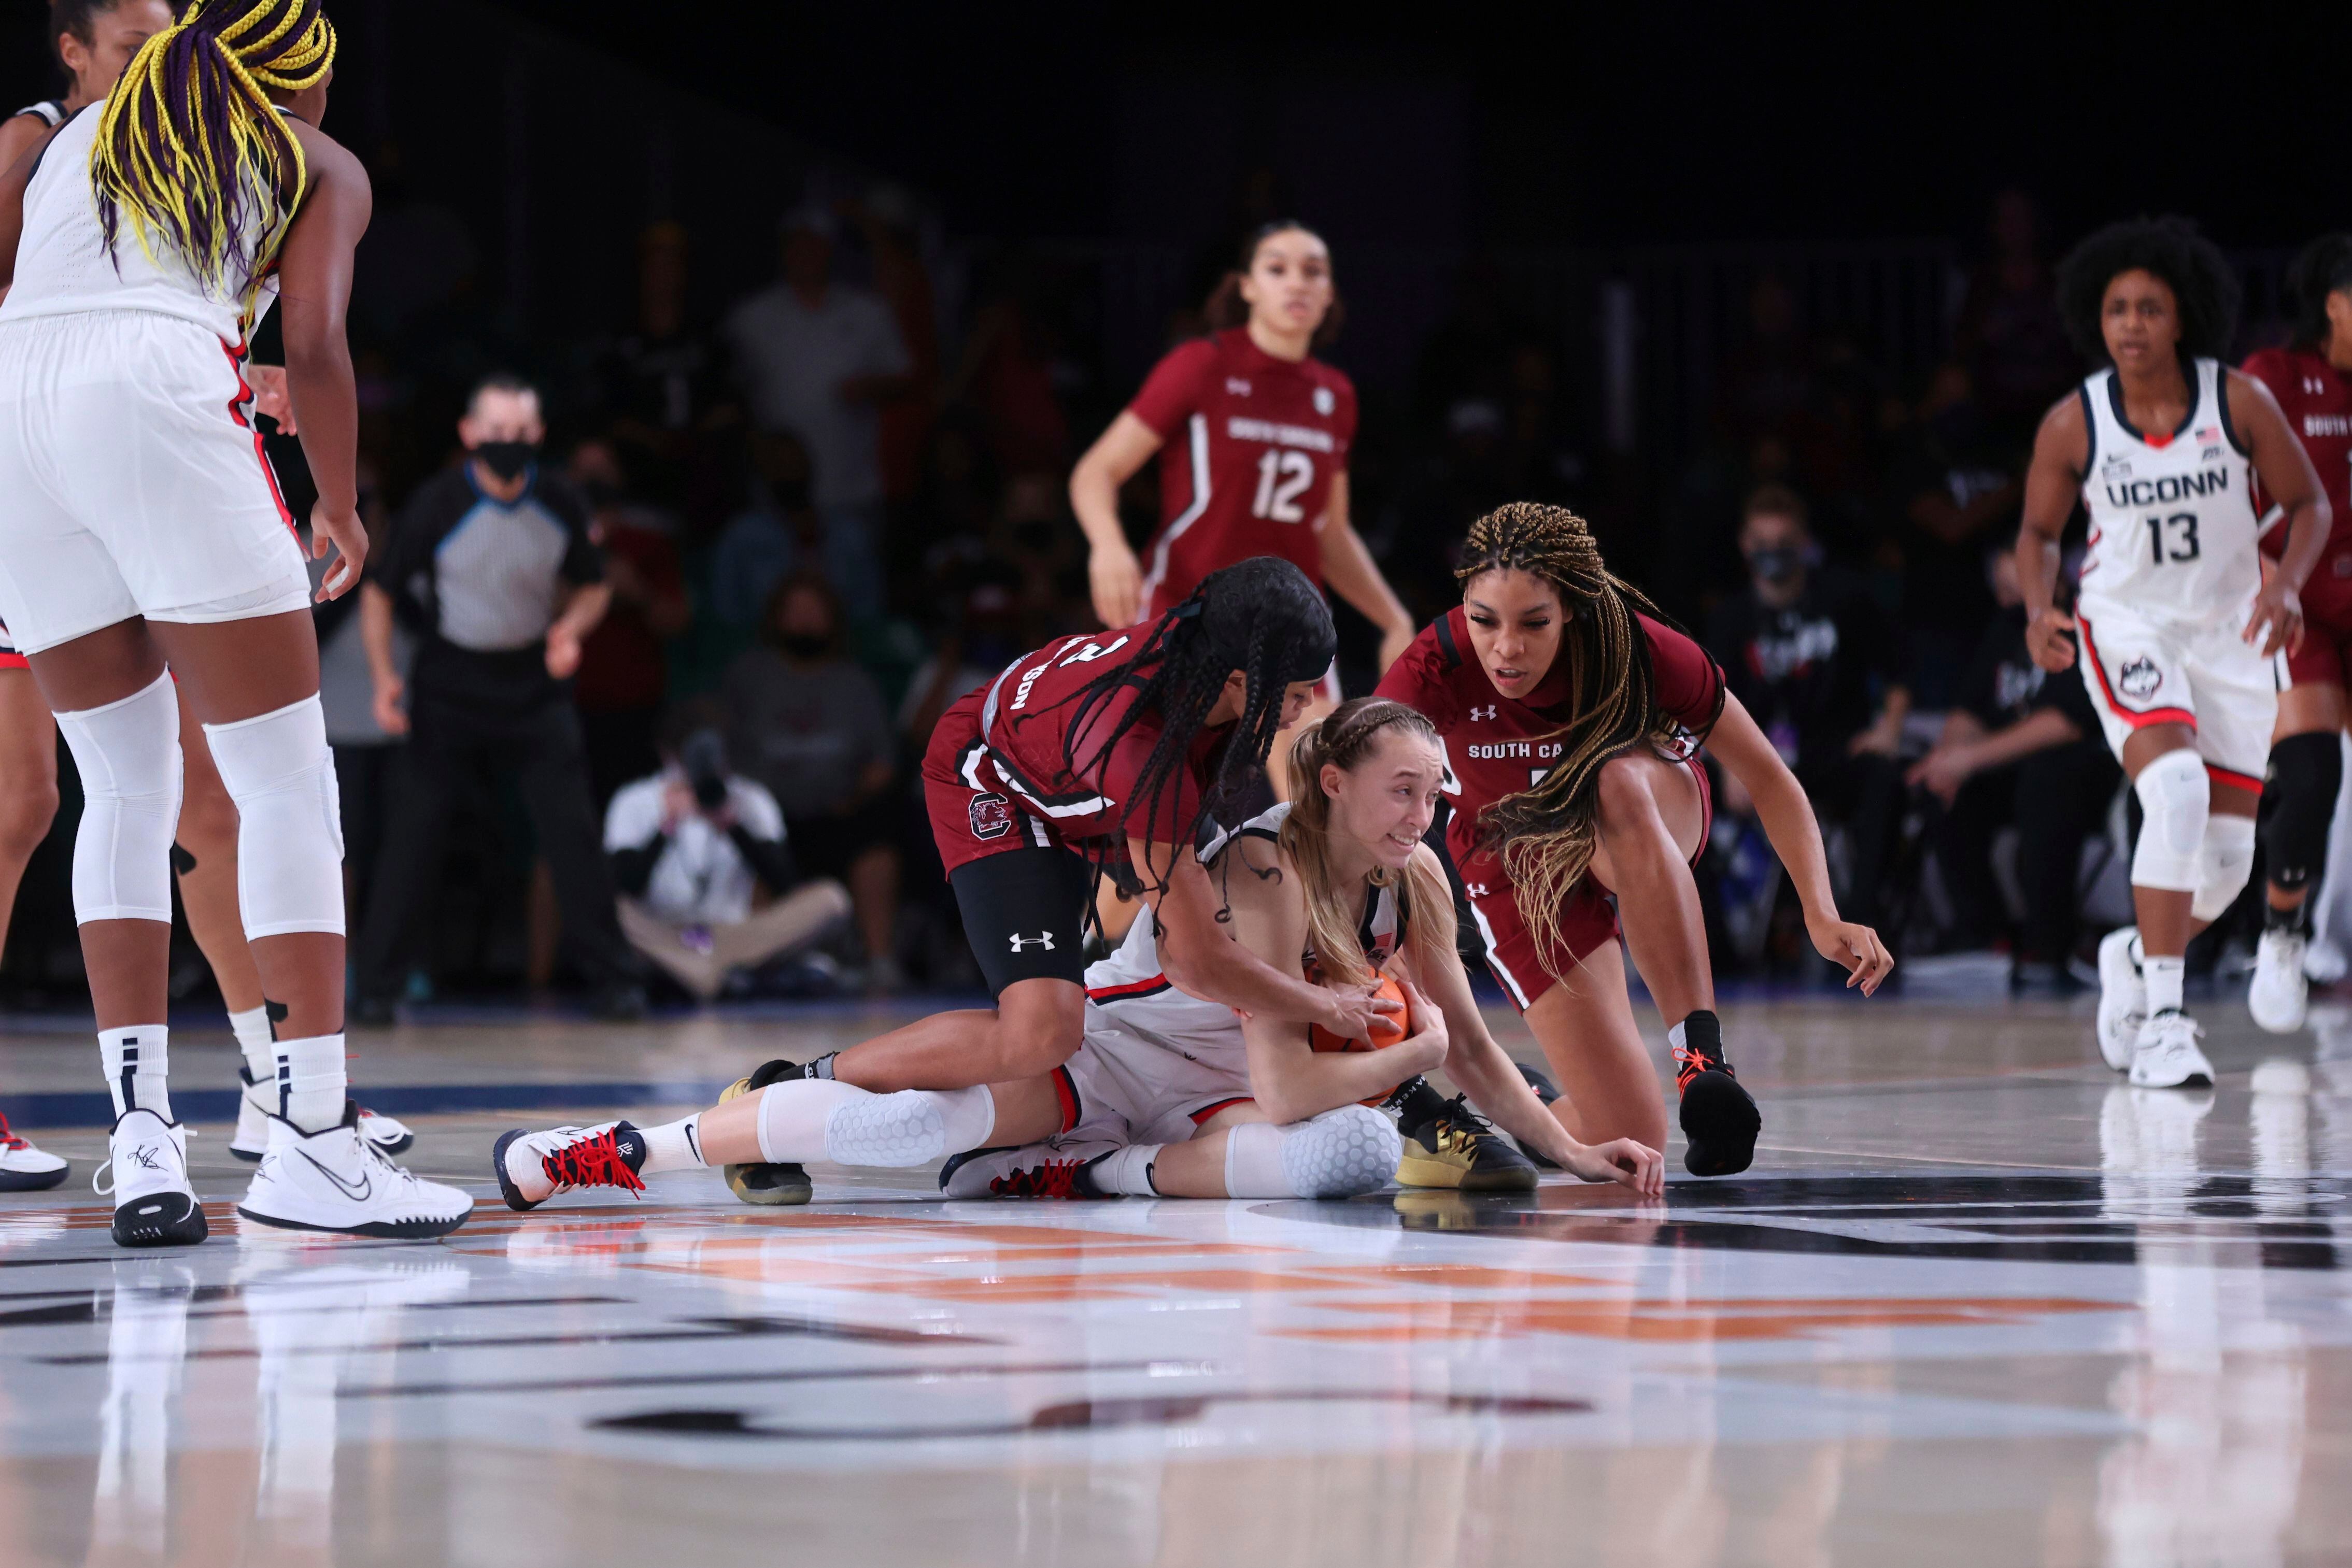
(190, 147)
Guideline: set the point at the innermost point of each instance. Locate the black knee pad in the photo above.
(2307, 771)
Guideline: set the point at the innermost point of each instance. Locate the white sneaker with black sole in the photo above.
(2280, 994)
(148, 1171)
(2123, 997)
(24, 1168)
(252, 1139)
(2166, 1054)
(337, 1181)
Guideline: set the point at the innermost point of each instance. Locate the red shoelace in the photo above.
(593, 1162)
(9, 1139)
(1055, 1179)
(1695, 1062)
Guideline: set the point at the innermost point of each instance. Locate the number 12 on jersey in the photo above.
(1281, 477)
(2184, 542)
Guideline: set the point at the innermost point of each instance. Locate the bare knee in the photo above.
(1040, 1025)
(208, 825)
(26, 813)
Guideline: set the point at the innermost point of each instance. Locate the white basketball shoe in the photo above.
(336, 1180)
(253, 1112)
(2280, 993)
(535, 1166)
(2123, 997)
(147, 1167)
(24, 1168)
(2166, 1054)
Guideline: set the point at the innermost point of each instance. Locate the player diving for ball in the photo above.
(1170, 1095)
(2176, 626)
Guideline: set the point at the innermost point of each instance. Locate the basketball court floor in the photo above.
(1977, 1304)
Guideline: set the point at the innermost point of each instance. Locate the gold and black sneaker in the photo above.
(761, 1183)
(1459, 1149)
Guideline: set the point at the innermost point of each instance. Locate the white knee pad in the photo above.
(128, 753)
(912, 1127)
(2175, 801)
(2224, 864)
(289, 836)
(1339, 1154)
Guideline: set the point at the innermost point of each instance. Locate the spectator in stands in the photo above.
(817, 358)
(1812, 656)
(623, 666)
(659, 378)
(886, 220)
(984, 637)
(2020, 746)
(2011, 336)
(692, 847)
(812, 727)
(491, 566)
(1958, 487)
(781, 530)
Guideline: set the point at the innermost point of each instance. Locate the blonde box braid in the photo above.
(1545, 834)
(191, 148)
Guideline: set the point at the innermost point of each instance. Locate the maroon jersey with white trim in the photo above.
(1014, 734)
(1496, 746)
(2316, 398)
(1252, 444)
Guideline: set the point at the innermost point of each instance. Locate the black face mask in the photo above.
(1777, 566)
(506, 459)
(801, 645)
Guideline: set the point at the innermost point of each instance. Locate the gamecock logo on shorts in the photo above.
(2137, 679)
(991, 816)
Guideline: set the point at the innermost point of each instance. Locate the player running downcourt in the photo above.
(1256, 432)
(2175, 623)
(2312, 380)
(1171, 1095)
(138, 525)
(1572, 721)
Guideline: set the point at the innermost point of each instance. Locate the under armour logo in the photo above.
(1044, 940)
(1479, 713)
(1476, 889)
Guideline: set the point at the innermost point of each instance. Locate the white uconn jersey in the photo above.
(2173, 517)
(63, 267)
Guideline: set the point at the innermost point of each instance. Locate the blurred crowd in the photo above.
(808, 519)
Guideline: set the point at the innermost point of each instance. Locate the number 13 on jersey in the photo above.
(1282, 477)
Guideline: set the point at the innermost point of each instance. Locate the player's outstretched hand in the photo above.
(2279, 608)
(1116, 577)
(1856, 950)
(348, 535)
(1622, 1161)
(2050, 638)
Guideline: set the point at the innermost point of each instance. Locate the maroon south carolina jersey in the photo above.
(1010, 748)
(1497, 747)
(2316, 398)
(1252, 444)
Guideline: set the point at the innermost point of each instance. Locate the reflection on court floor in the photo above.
(2128, 1342)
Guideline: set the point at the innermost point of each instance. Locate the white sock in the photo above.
(313, 1083)
(251, 1027)
(673, 1146)
(2163, 976)
(137, 1063)
(793, 1117)
(1128, 1171)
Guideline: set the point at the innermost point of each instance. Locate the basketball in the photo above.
(1387, 1027)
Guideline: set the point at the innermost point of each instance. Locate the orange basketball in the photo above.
(1387, 1027)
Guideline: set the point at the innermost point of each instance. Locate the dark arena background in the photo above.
(769, 381)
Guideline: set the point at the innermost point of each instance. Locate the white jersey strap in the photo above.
(51, 112)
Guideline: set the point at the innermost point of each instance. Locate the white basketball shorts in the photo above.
(1150, 1074)
(132, 480)
(2142, 671)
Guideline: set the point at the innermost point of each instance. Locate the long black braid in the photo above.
(1260, 616)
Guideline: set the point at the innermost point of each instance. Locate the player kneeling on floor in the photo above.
(1171, 1095)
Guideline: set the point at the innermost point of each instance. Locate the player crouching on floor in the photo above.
(1171, 1095)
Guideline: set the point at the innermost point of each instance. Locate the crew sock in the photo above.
(137, 1063)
